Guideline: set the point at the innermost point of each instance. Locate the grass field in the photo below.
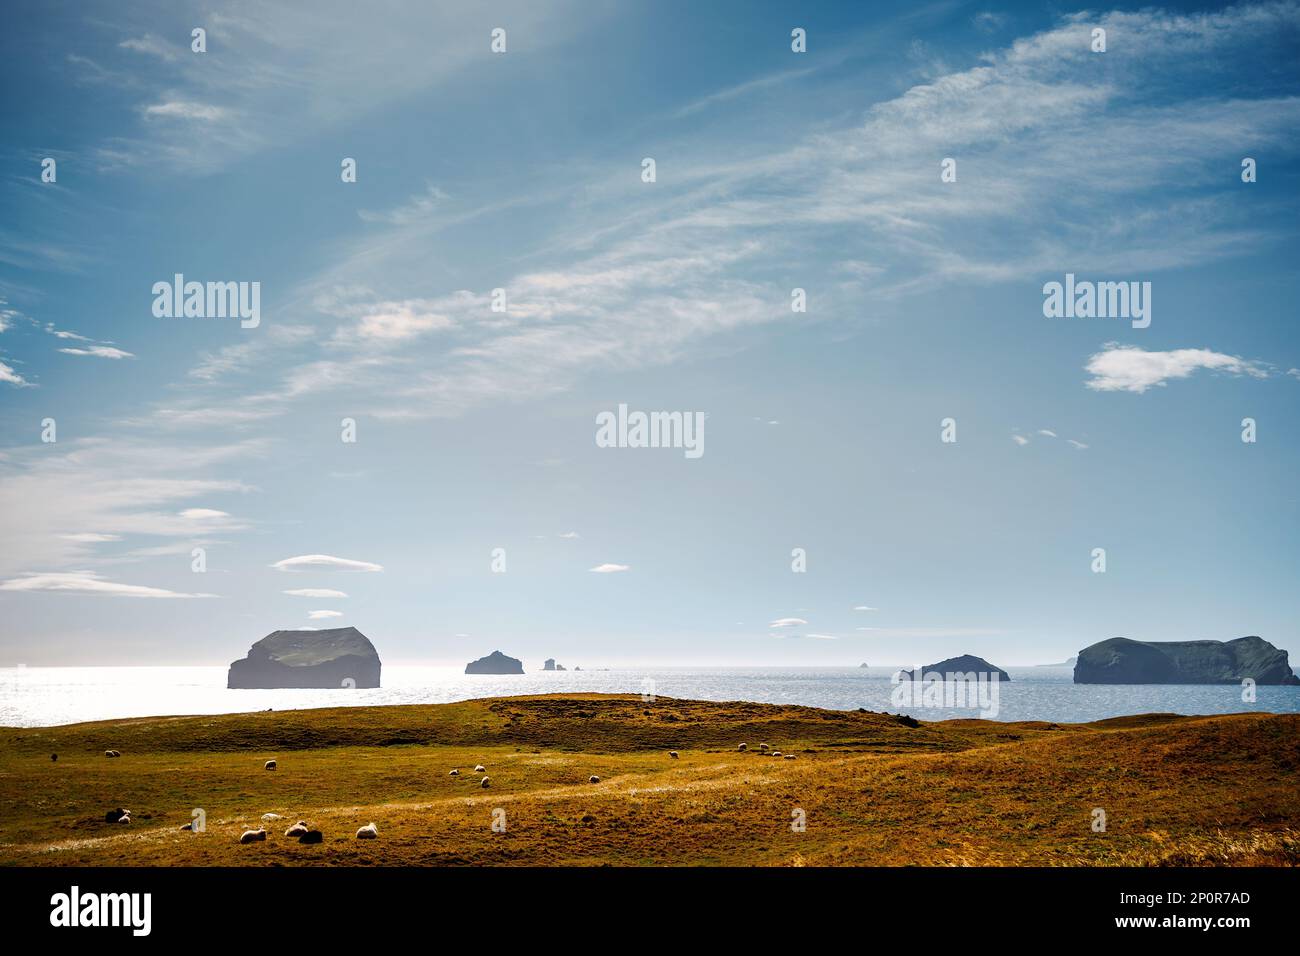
(871, 789)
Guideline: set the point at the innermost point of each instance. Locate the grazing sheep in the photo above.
(789, 756)
(124, 818)
(454, 773)
(776, 753)
(111, 753)
(252, 836)
(743, 747)
(271, 817)
(673, 754)
(764, 747)
(593, 779)
(480, 769)
(312, 836)
(297, 830)
(483, 783)
(269, 765)
(368, 832)
(112, 816)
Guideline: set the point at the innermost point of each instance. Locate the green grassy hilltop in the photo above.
(869, 788)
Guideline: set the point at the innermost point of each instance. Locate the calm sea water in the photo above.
(41, 696)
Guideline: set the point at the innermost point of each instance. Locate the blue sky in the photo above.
(475, 429)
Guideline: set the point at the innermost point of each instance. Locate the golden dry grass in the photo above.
(873, 791)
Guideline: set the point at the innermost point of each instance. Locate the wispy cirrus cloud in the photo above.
(417, 207)
(271, 75)
(89, 582)
(181, 109)
(130, 485)
(99, 351)
(153, 45)
(679, 269)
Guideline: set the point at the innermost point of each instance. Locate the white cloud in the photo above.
(569, 534)
(316, 593)
(1020, 440)
(864, 607)
(417, 207)
(7, 374)
(1047, 431)
(151, 44)
(179, 109)
(397, 322)
(1128, 368)
(131, 484)
(741, 89)
(320, 615)
(88, 582)
(677, 270)
(100, 351)
(788, 622)
(90, 537)
(610, 568)
(988, 21)
(822, 637)
(274, 77)
(201, 514)
(325, 562)
(1077, 444)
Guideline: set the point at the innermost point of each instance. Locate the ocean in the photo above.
(42, 696)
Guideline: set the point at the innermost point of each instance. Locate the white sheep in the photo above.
(368, 832)
(270, 817)
(483, 783)
(454, 773)
(776, 753)
(789, 756)
(124, 818)
(252, 836)
(269, 765)
(297, 830)
(593, 779)
(480, 769)
(764, 747)
(673, 754)
(743, 747)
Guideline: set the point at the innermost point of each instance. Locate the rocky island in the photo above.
(334, 657)
(965, 664)
(495, 663)
(1124, 661)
